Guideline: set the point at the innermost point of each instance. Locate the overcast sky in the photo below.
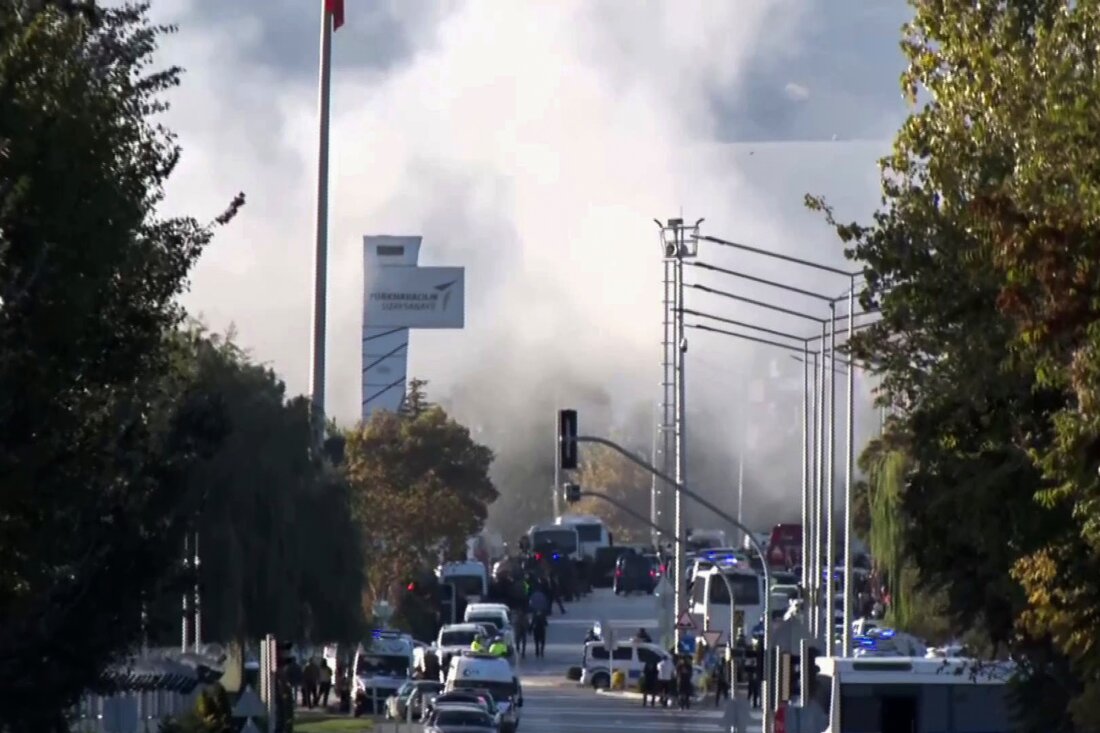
(532, 142)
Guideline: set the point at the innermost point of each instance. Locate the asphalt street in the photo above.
(553, 704)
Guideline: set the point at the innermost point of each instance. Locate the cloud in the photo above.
(531, 142)
(796, 92)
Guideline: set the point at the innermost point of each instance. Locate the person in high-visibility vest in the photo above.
(478, 644)
(498, 648)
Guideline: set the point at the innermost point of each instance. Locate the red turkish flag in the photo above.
(335, 8)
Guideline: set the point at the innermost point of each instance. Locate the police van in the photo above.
(629, 657)
(382, 665)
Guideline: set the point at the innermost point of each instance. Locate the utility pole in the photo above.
(677, 248)
(849, 478)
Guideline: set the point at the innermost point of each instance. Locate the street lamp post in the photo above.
(849, 479)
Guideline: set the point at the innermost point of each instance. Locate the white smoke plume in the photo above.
(533, 143)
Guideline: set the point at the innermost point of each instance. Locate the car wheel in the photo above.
(601, 680)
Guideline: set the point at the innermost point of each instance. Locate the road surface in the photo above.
(553, 704)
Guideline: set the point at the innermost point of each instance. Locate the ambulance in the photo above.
(382, 665)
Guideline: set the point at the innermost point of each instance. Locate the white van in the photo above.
(629, 657)
(710, 596)
(482, 671)
(497, 614)
(592, 533)
(382, 665)
(469, 578)
(904, 693)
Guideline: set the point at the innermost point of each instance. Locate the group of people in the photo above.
(313, 682)
(668, 680)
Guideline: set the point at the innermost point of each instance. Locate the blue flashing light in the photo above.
(887, 633)
(557, 556)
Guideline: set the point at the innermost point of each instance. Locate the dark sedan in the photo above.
(461, 719)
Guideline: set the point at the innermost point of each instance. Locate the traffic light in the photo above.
(567, 439)
(572, 493)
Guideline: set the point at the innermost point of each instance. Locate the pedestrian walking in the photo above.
(324, 686)
(683, 683)
(721, 681)
(754, 666)
(310, 679)
(520, 627)
(650, 683)
(538, 630)
(665, 671)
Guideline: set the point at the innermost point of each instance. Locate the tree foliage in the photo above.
(420, 487)
(99, 425)
(280, 551)
(983, 260)
(605, 471)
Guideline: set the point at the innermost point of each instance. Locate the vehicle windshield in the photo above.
(746, 590)
(483, 618)
(563, 540)
(457, 638)
(460, 718)
(382, 665)
(468, 585)
(499, 690)
(589, 532)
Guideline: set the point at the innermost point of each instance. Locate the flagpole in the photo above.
(320, 273)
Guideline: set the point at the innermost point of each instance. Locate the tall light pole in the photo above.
(677, 248)
(830, 494)
(849, 478)
(320, 261)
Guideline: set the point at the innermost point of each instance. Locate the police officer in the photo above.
(498, 648)
(478, 644)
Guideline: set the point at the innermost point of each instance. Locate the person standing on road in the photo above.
(555, 594)
(755, 666)
(721, 681)
(520, 627)
(309, 684)
(683, 683)
(538, 630)
(665, 669)
(650, 683)
(325, 684)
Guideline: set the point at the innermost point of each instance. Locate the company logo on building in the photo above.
(437, 298)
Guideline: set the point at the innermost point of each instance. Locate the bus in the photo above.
(854, 695)
(592, 534)
(562, 538)
(710, 596)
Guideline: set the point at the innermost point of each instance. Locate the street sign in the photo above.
(249, 705)
(685, 621)
(712, 638)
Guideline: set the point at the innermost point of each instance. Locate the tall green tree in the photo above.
(604, 470)
(420, 487)
(281, 553)
(983, 261)
(99, 425)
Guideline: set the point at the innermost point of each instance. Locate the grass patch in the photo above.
(331, 724)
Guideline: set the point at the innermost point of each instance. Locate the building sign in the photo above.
(415, 297)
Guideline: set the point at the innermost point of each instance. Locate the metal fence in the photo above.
(131, 712)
